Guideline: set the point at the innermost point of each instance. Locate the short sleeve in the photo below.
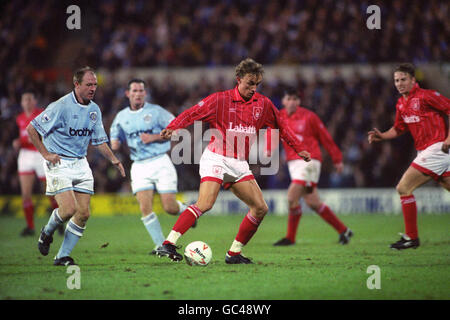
(49, 120)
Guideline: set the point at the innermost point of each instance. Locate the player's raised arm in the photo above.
(205, 110)
(327, 142)
(108, 154)
(273, 120)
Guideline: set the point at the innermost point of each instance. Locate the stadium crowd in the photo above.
(210, 33)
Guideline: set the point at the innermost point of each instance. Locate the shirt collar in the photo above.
(74, 98)
(412, 92)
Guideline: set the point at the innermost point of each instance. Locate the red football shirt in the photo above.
(22, 122)
(423, 114)
(236, 122)
(311, 131)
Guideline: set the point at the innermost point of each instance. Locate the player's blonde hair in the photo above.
(249, 66)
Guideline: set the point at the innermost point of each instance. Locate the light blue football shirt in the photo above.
(67, 127)
(129, 124)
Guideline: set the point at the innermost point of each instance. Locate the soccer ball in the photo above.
(197, 253)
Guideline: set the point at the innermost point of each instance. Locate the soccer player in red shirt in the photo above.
(29, 162)
(239, 114)
(305, 175)
(423, 113)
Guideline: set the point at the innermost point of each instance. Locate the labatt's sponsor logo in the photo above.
(411, 119)
(242, 129)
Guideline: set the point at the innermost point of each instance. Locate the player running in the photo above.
(236, 114)
(423, 113)
(29, 161)
(139, 126)
(67, 126)
(305, 175)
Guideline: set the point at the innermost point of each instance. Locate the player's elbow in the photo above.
(115, 145)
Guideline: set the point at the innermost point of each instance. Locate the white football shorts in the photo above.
(30, 162)
(154, 173)
(433, 161)
(305, 173)
(70, 174)
(226, 170)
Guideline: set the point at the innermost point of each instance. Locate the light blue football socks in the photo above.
(53, 223)
(182, 206)
(71, 236)
(153, 227)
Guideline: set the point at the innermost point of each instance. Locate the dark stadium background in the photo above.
(158, 38)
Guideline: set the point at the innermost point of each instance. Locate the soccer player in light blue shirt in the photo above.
(139, 125)
(67, 127)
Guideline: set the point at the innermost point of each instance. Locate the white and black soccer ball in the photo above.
(198, 253)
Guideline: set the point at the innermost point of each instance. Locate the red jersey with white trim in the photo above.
(309, 129)
(423, 114)
(237, 122)
(22, 122)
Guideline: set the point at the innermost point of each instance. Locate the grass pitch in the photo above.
(315, 268)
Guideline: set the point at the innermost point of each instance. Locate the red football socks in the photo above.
(247, 229)
(186, 219)
(409, 209)
(293, 220)
(28, 209)
(328, 215)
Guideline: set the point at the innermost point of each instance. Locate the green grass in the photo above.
(315, 268)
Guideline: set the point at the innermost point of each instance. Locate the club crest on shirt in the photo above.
(415, 104)
(257, 112)
(93, 116)
(148, 118)
(301, 126)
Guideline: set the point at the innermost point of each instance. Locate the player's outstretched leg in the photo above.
(293, 220)
(46, 236)
(207, 195)
(247, 229)
(54, 205)
(183, 224)
(71, 236)
(411, 180)
(250, 193)
(28, 209)
(313, 201)
(411, 237)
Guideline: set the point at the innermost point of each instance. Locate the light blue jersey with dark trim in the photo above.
(67, 127)
(129, 124)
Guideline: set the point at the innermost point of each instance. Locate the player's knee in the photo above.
(204, 206)
(68, 209)
(261, 210)
(171, 208)
(313, 204)
(402, 190)
(293, 202)
(83, 214)
(145, 209)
